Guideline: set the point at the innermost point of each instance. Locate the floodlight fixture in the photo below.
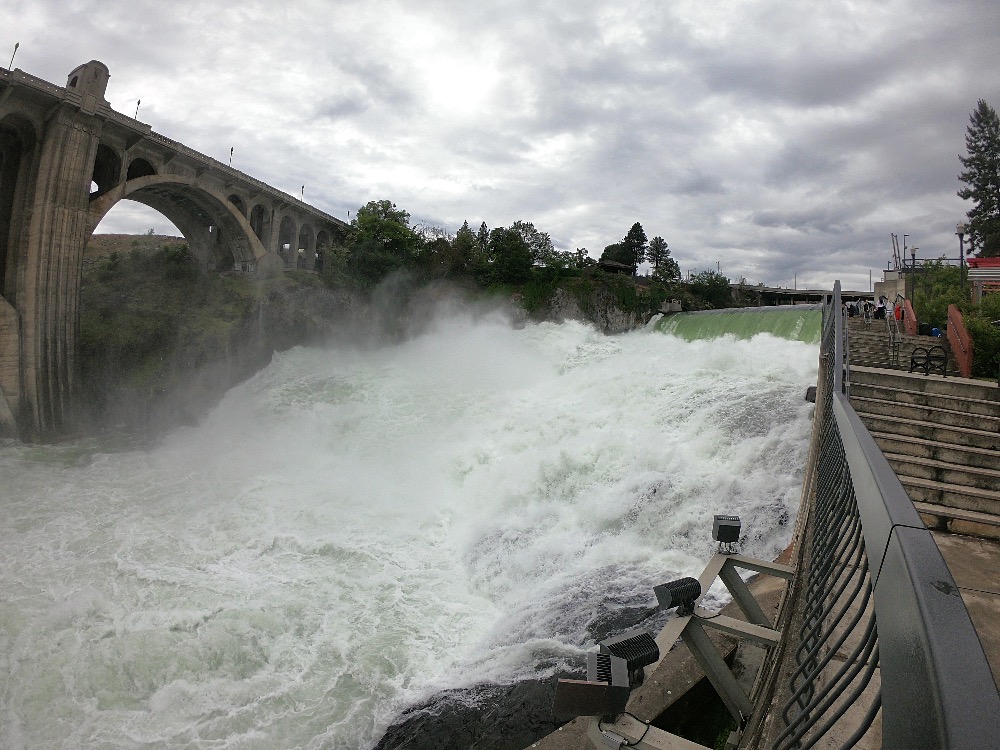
(726, 531)
(680, 593)
(637, 647)
(604, 693)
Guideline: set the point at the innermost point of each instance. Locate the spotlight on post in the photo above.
(637, 647)
(680, 593)
(604, 693)
(726, 531)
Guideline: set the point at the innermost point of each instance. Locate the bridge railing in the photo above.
(883, 626)
(20, 77)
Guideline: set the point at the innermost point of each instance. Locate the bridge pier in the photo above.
(41, 326)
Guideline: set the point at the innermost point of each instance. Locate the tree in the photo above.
(982, 176)
(464, 247)
(665, 268)
(618, 253)
(382, 241)
(631, 251)
(713, 288)
(657, 251)
(582, 259)
(636, 243)
(483, 239)
(539, 243)
(510, 256)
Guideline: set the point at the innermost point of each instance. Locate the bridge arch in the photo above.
(305, 255)
(238, 202)
(288, 235)
(260, 223)
(218, 234)
(139, 168)
(107, 170)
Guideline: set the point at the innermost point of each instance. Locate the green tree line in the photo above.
(382, 240)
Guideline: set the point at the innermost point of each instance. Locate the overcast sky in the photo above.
(784, 141)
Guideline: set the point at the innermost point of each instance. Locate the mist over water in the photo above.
(350, 532)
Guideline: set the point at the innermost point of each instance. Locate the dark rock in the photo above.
(490, 717)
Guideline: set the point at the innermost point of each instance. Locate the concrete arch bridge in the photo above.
(66, 158)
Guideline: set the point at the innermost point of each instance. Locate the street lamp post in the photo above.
(913, 271)
(960, 229)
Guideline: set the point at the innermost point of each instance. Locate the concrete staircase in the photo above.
(941, 435)
(869, 344)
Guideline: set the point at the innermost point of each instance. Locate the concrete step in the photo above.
(944, 471)
(918, 447)
(923, 398)
(957, 521)
(982, 390)
(932, 414)
(879, 356)
(959, 436)
(951, 495)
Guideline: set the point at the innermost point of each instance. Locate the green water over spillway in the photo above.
(793, 322)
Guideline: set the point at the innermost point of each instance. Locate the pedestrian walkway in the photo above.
(975, 566)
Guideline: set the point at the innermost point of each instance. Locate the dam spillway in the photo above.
(792, 322)
(357, 529)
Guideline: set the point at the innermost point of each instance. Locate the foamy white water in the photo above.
(350, 532)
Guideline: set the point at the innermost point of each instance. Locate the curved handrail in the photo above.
(960, 340)
(936, 687)
(936, 681)
(910, 319)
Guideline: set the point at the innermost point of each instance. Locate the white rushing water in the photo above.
(350, 532)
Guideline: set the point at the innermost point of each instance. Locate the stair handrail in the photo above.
(909, 318)
(868, 549)
(960, 341)
(892, 329)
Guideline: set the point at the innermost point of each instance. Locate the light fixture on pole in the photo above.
(11, 66)
(961, 229)
(913, 270)
(137, 103)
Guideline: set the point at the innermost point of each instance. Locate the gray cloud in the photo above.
(783, 143)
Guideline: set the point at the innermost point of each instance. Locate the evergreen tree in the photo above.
(464, 247)
(665, 268)
(636, 244)
(658, 250)
(483, 239)
(982, 176)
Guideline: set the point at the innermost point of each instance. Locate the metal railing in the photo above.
(892, 331)
(883, 625)
(960, 341)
